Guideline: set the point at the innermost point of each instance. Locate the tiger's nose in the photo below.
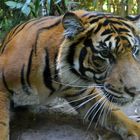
(109, 86)
(114, 90)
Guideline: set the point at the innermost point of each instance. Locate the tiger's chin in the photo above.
(121, 101)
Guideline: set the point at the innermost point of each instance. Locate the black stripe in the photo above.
(93, 16)
(23, 82)
(47, 73)
(17, 30)
(76, 103)
(35, 21)
(88, 43)
(42, 29)
(72, 49)
(56, 71)
(108, 38)
(98, 28)
(82, 56)
(22, 79)
(95, 20)
(130, 27)
(120, 30)
(115, 22)
(70, 56)
(125, 38)
(95, 112)
(22, 76)
(86, 14)
(42, 19)
(5, 83)
(29, 68)
(107, 31)
(19, 27)
(117, 38)
(70, 59)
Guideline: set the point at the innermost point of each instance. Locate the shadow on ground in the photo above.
(49, 124)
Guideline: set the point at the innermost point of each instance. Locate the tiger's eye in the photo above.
(105, 53)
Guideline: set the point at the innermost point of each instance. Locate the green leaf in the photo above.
(95, 3)
(26, 9)
(58, 1)
(11, 4)
(37, 4)
(60, 9)
(49, 5)
(19, 5)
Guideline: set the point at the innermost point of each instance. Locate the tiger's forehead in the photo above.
(112, 31)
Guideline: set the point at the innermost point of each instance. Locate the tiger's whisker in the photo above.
(98, 102)
(90, 109)
(58, 106)
(78, 86)
(83, 103)
(111, 106)
(102, 110)
(107, 110)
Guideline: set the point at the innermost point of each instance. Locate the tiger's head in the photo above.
(102, 49)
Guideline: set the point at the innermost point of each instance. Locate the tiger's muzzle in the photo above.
(123, 81)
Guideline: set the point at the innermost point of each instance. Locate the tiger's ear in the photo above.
(72, 25)
(136, 21)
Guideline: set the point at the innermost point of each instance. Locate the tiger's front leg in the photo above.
(95, 107)
(4, 116)
(120, 123)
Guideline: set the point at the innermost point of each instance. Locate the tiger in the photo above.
(90, 59)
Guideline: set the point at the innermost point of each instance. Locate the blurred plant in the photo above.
(21, 10)
(26, 8)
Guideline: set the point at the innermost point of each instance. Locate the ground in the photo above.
(59, 123)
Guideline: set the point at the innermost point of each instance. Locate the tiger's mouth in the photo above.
(120, 101)
(116, 97)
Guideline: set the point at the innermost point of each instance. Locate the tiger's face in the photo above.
(106, 52)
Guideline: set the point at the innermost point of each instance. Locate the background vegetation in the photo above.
(13, 12)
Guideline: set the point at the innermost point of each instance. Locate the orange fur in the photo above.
(63, 56)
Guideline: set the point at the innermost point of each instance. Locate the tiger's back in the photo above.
(32, 49)
(27, 54)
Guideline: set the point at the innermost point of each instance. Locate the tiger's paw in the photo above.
(4, 134)
(133, 133)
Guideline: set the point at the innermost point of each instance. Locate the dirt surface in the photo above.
(45, 123)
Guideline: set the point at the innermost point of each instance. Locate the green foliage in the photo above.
(26, 8)
(13, 4)
(13, 12)
(56, 7)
